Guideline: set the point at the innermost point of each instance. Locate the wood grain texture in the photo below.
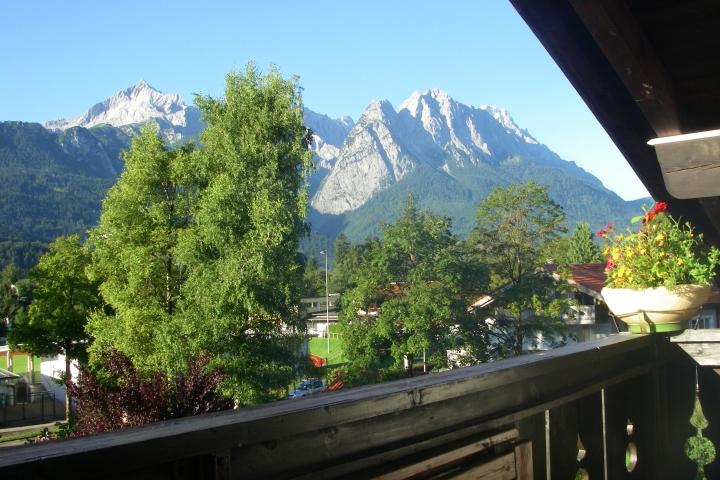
(501, 468)
(291, 439)
(705, 354)
(524, 461)
(624, 44)
(705, 335)
(691, 169)
(434, 463)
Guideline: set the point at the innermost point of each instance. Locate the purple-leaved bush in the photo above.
(132, 399)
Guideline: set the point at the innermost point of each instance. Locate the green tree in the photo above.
(135, 250)
(313, 279)
(9, 298)
(347, 262)
(514, 224)
(582, 248)
(245, 275)
(198, 247)
(410, 296)
(63, 298)
(556, 250)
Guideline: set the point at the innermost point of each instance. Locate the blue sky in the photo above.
(57, 59)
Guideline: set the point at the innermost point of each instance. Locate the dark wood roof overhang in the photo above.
(646, 69)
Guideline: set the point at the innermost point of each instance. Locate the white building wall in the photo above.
(52, 369)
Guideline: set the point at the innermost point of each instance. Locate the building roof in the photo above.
(591, 276)
(6, 375)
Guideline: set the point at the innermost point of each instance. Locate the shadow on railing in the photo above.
(19, 409)
(613, 408)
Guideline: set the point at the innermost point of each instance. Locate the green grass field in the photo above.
(318, 346)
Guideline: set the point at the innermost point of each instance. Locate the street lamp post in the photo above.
(327, 303)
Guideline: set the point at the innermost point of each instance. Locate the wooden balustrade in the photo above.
(582, 408)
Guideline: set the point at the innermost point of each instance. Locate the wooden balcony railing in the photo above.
(596, 408)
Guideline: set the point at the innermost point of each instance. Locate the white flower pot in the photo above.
(656, 309)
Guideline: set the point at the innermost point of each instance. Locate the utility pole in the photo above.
(327, 303)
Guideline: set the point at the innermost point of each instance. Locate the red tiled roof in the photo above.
(714, 295)
(589, 275)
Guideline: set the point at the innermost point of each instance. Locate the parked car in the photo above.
(306, 388)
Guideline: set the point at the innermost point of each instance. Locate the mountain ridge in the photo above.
(429, 128)
(449, 154)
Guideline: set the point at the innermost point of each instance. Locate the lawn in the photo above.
(318, 346)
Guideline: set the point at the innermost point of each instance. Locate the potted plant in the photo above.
(660, 276)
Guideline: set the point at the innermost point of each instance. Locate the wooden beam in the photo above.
(702, 345)
(500, 468)
(434, 463)
(690, 164)
(524, 461)
(621, 39)
(704, 335)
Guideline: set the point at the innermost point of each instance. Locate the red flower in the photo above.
(610, 263)
(601, 233)
(659, 207)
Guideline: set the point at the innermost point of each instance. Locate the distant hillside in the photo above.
(51, 184)
(458, 196)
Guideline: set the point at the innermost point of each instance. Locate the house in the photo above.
(8, 382)
(36, 375)
(26, 395)
(319, 313)
(592, 320)
(26, 366)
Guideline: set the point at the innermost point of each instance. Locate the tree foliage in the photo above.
(63, 299)
(313, 279)
(347, 263)
(245, 273)
(582, 248)
(197, 248)
(135, 249)
(514, 225)
(410, 294)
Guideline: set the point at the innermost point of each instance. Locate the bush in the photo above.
(129, 399)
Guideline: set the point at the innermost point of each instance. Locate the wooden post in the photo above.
(533, 428)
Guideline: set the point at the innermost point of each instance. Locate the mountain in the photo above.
(328, 137)
(430, 129)
(137, 105)
(450, 155)
(52, 184)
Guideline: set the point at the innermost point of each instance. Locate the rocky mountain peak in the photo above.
(138, 104)
(432, 129)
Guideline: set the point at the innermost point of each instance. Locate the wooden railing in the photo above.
(578, 407)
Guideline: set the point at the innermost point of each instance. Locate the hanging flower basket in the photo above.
(655, 310)
(658, 277)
